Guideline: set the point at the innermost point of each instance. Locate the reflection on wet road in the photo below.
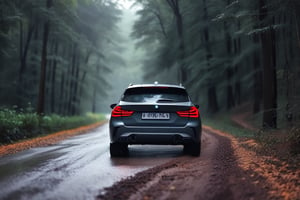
(76, 168)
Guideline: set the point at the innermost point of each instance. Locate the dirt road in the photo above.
(80, 167)
(224, 170)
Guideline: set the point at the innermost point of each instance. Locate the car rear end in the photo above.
(155, 114)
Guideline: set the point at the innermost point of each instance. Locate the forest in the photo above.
(64, 134)
(226, 53)
(55, 54)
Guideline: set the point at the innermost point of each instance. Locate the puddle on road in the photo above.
(68, 171)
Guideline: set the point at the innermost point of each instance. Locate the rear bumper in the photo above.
(121, 133)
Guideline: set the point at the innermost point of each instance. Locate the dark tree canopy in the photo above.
(55, 53)
(230, 52)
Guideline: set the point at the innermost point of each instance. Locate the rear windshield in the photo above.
(155, 95)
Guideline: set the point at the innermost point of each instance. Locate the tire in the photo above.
(118, 150)
(193, 149)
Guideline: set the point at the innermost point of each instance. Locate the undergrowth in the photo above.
(23, 124)
(280, 142)
(294, 139)
(224, 123)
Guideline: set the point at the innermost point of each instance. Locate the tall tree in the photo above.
(269, 69)
(174, 5)
(41, 99)
(213, 106)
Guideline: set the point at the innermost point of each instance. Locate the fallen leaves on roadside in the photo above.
(283, 177)
(45, 140)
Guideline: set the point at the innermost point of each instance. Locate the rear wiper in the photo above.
(164, 100)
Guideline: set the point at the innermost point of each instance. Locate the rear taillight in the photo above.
(192, 112)
(119, 112)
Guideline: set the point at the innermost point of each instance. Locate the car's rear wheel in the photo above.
(118, 150)
(193, 149)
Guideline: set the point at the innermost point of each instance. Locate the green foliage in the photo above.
(30, 121)
(9, 119)
(18, 125)
(224, 123)
(72, 3)
(223, 51)
(82, 48)
(283, 143)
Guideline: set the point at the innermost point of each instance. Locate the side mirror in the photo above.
(113, 105)
(197, 106)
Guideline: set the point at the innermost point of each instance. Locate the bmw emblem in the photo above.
(156, 106)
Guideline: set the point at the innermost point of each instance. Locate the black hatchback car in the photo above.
(155, 114)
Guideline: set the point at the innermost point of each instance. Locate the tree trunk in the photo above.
(68, 79)
(75, 93)
(24, 49)
(237, 92)
(297, 23)
(19, 85)
(257, 79)
(229, 71)
(237, 84)
(94, 109)
(34, 70)
(212, 100)
(49, 75)
(61, 94)
(289, 55)
(269, 73)
(53, 80)
(174, 4)
(230, 96)
(63, 84)
(86, 61)
(71, 102)
(269, 82)
(211, 91)
(21, 35)
(41, 98)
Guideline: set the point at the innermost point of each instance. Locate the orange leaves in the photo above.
(282, 177)
(45, 140)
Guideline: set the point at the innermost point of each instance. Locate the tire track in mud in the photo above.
(213, 175)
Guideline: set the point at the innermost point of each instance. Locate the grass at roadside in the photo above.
(284, 142)
(224, 123)
(19, 125)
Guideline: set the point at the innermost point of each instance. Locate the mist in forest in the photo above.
(130, 70)
(66, 57)
(70, 57)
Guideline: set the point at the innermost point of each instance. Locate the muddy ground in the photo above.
(225, 170)
(228, 168)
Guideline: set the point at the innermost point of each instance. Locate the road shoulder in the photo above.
(46, 140)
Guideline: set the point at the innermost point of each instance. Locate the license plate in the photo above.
(156, 116)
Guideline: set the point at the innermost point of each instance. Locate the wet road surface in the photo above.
(77, 168)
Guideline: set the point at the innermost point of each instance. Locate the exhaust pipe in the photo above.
(177, 139)
(132, 138)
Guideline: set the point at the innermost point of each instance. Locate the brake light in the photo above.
(119, 112)
(192, 112)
